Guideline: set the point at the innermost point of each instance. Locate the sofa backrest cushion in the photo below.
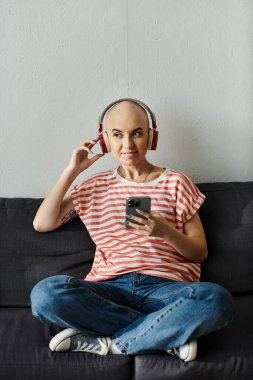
(27, 256)
(227, 217)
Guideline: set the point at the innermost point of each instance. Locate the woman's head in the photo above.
(127, 127)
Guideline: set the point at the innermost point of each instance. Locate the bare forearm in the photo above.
(191, 243)
(49, 209)
(189, 247)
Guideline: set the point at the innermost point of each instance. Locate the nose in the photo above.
(128, 142)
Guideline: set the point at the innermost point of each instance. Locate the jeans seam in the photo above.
(179, 301)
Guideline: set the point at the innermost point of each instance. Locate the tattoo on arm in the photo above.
(72, 214)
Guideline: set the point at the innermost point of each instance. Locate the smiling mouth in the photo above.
(129, 152)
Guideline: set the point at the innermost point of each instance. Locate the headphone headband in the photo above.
(143, 105)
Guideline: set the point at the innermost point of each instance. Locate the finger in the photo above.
(85, 148)
(93, 143)
(145, 215)
(139, 230)
(149, 215)
(137, 227)
(138, 219)
(88, 142)
(143, 212)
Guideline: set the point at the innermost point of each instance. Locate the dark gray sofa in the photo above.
(28, 256)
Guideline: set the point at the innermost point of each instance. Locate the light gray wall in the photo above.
(63, 61)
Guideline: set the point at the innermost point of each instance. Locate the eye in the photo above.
(138, 134)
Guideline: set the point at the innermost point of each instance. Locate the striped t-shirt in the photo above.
(100, 202)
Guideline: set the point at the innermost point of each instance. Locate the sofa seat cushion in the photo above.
(224, 354)
(24, 353)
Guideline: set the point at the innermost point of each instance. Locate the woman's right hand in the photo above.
(79, 160)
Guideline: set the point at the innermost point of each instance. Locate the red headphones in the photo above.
(152, 133)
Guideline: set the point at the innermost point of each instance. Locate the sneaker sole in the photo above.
(60, 337)
(192, 351)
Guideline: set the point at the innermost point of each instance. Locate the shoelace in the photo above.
(87, 347)
(94, 345)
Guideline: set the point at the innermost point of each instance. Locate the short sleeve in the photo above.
(188, 198)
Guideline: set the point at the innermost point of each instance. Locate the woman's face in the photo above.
(127, 129)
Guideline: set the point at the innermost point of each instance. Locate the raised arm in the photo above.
(56, 210)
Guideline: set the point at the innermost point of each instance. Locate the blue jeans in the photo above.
(142, 314)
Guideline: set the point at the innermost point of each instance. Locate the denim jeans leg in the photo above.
(195, 309)
(89, 307)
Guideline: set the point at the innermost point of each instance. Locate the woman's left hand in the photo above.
(154, 224)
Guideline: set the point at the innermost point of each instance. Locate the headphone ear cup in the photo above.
(152, 139)
(104, 143)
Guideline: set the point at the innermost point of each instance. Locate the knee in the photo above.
(219, 300)
(45, 293)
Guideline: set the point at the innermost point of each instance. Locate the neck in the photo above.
(137, 173)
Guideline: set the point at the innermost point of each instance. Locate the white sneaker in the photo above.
(72, 340)
(186, 352)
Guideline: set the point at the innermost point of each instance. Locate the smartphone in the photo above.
(132, 203)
